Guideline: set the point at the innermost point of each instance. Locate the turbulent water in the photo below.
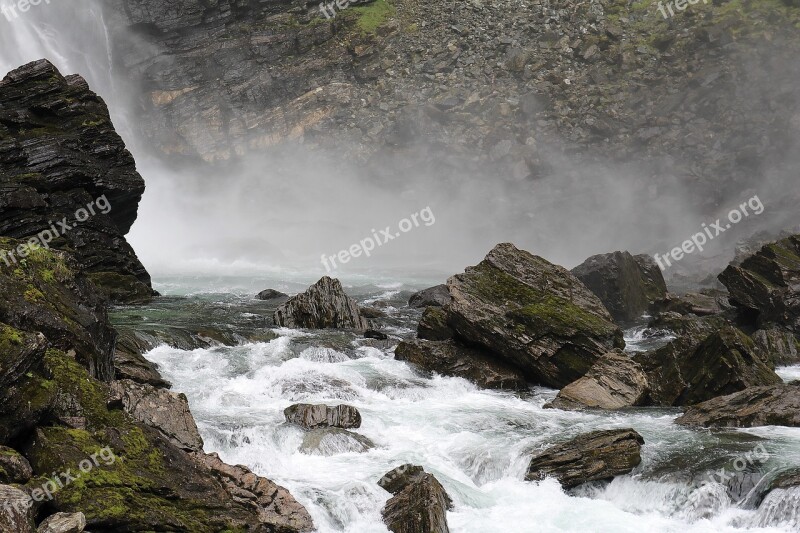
(476, 442)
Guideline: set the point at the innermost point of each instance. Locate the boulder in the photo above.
(323, 305)
(271, 294)
(433, 325)
(129, 363)
(766, 286)
(63, 523)
(615, 381)
(160, 409)
(333, 441)
(596, 456)
(311, 416)
(451, 359)
(396, 480)
(419, 504)
(14, 468)
(782, 348)
(437, 296)
(775, 405)
(626, 285)
(532, 314)
(698, 367)
(16, 511)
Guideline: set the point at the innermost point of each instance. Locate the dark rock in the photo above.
(450, 359)
(699, 304)
(433, 325)
(627, 286)
(333, 441)
(129, 363)
(17, 511)
(19, 353)
(372, 312)
(63, 523)
(437, 296)
(781, 347)
(271, 294)
(375, 334)
(532, 314)
(595, 456)
(615, 381)
(311, 416)
(323, 305)
(776, 405)
(399, 478)
(14, 468)
(420, 506)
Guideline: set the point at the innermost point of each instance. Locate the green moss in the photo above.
(9, 337)
(372, 16)
(561, 316)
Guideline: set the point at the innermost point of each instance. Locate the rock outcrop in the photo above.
(323, 305)
(311, 416)
(450, 359)
(437, 296)
(419, 503)
(595, 456)
(776, 405)
(66, 176)
(531, 314)
(626, 285)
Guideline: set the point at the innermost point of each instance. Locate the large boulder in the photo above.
(437, 296)
(451, 359)
(310, 416)
(67, 177)
(615, 381)
(419, 503)
(776, 405)
(766, 286)
(532, 314)
(14, 468)
(626, 285)
(16, 511)
(596, 456)
(323, 305)
(701, 366)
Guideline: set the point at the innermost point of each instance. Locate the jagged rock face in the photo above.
(766, 287)
(595, 456)
(64, 171)
(311, 416)
(450, 359)
(323, 305)
(419, 505)
(776, 405)
(532, 314)
(626, 285)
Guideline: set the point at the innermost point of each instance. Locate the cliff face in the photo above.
(67, 180)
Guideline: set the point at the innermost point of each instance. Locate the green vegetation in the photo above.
(372, 16)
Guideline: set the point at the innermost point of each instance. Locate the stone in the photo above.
(433, 325)
(63, 523)
(14, 468)
(437, 296)
(271, 294)
(775, 405)
(17, 511)
(396, 480)
(419, 507)
(311, 416)
(782, 348)
(323, 305)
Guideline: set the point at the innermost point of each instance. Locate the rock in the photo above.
(420, 506)
(699, 304)
(615, 381)
(14, 468)
(766, 287)
(396, 480)
(433, 325)
(333, 441)
(19, 352)
(696, 368)
(531, 314)
(372, 312)
(375, 334)
(271, 294)
(437, 296)
(65, 165)
(129, 363)
(321, 416)
(63, 523)
(323, 305)
(595, 456)
(775, 405)
(16, 511)
(160, 409)
(627, 286)
(781, 347)
(450, 359)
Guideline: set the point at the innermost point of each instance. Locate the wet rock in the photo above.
(437, 296)
(433, 325)
(626, 285)
(595, 456)
(333, 441)
(375, 334)
(14, 468)
(399, 478)
(16, 511)
(372, 313)
(63, 523)
(531, 314)
(160, 409)
(129, 363)
(419, 504)
(19, 352)
(311, 416)
(615, 381)
(451, 359)
(781, 347)
(323, 305)
(776, 405)
(271, 294)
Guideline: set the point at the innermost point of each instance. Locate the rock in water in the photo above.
(450, 359)
(615, 381)
(766, 287)
(63, 523)
(437, 296)
(595, 456)
(271, 294)
(333, 441)
(399, 478)
(777, 405)
(323, 305)
(626, 285)
(311, 416)
(419, 504)
(534, 315)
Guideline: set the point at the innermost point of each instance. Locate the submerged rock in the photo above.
(271, 294)
(333, 441)
(323, 305)
(14, 468)
(63, 523)
(419, 504)
(531, 314)
(450, 359)
(437, 296)
(776, 405)
(626, 285)
(595, 456)
(310, 416)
